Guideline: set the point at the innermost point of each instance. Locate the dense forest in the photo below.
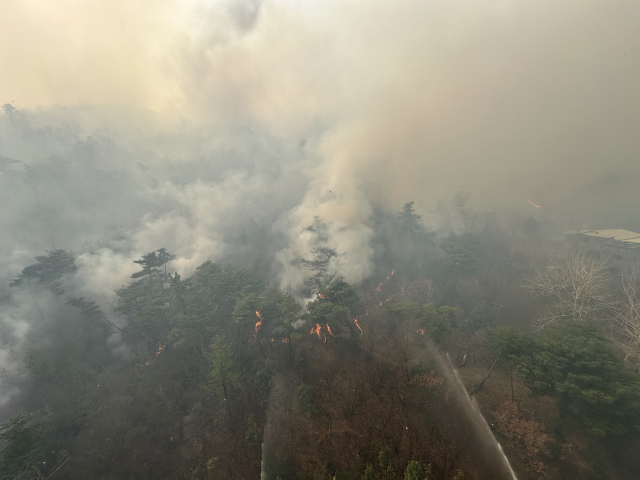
(221, 375)
(319, 240)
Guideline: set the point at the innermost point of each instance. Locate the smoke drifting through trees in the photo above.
(284, 138)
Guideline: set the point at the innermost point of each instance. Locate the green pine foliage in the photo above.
(48, 271)
(332, 305)
(22, 454)
(576, 365)
(414, 471)
(464, 252)
(369, 473)
(386, 469)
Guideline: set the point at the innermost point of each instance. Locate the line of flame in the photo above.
(258, 324)
(355, 320)
(329, 330)
(317, 329)
(379, 287)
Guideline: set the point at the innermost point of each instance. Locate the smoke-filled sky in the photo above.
(390, 101)
(504, 98)
(219, 127)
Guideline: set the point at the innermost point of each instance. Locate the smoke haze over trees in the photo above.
(229, 223)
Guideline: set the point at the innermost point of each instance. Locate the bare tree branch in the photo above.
(576, 288)
(626, 323)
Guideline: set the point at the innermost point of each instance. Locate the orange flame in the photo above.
(258, 324)
(285, 340)
(355, 320)
(379, 287)
(329, 330)
(160, 348)
(420, 331)
(317, 329)
(537, 206)
(321, 334)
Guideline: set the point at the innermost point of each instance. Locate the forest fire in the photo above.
(379, 287)
(317, 330)
(355, 320)
(320, 332)
(329, 330)
(258, 324)
(283, 157)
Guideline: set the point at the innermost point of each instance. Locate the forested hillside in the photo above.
(319, 240)
(221, 375)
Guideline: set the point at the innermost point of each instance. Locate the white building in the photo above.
(619, 246)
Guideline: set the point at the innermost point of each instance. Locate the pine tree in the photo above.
(48, 271)
(410, 222)
(413, 471)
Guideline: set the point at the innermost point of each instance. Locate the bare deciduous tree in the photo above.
(626, 323)
(576, 287)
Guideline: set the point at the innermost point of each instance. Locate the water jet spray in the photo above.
(471, 408)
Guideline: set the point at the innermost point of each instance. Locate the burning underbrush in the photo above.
(228, 375)
(350, 406)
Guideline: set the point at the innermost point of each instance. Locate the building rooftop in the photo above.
(614, 234)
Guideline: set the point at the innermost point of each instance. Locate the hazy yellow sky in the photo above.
(468, 91)
(513, 100)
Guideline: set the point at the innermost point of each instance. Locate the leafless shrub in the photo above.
(526, 432)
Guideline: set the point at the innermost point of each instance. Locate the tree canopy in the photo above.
(48, 271)
(575, 364)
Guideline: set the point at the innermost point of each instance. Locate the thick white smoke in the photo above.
(336, 199)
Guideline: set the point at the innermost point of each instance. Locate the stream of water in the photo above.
(470, 407)
(472, 410)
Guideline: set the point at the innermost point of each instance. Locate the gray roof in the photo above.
(614, 234)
